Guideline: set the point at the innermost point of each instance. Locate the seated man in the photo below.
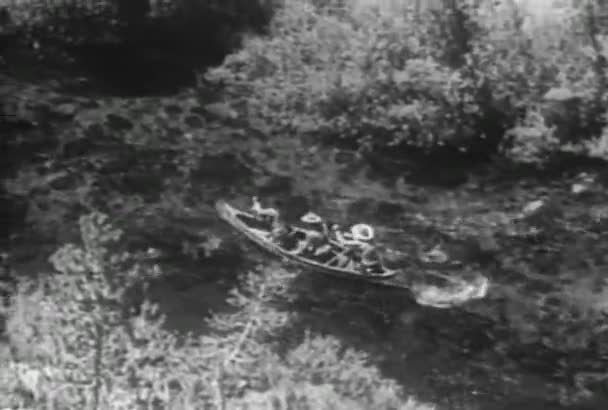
(363, 251)
(269, 215)
(370, 259)
(313, 236)
(314, 243)
(297, 240)
(359, 233)
(313, 222)
(335, 234)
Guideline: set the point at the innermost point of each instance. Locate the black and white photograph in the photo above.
(304, 205)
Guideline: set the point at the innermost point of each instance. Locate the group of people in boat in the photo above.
(318, 239)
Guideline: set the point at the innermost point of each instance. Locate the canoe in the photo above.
(428, 286)
(257, 231)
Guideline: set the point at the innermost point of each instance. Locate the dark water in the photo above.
(460, 358)
(451, 357)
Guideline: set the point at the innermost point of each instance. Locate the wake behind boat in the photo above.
(335, 255)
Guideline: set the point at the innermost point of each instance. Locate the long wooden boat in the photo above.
(258, 232)
(430, 287)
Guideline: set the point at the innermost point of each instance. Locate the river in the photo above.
(460, 358)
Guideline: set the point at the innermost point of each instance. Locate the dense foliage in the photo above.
(79, 339)
(477, 76)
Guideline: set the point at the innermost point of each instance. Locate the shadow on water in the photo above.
(128, 52)
(127, 70)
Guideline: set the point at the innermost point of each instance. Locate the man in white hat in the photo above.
(314, 222)
(317, 240)
(358, 235)
(360, 242)
(259, 210)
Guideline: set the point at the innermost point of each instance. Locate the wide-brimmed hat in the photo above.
(362, 232)
(311, 218)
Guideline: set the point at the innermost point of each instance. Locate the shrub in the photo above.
(471, 75)
(77, 343)
(78, 325)
(345, 74)
(542, 71)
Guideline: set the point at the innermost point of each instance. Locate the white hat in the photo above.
(311, 218)
(362, 232)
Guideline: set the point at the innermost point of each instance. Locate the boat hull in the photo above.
(260, 237)
(453, 291)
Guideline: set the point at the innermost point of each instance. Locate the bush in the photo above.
(77, 342)
(471, 75)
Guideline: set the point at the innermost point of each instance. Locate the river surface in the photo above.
(460, 358)
(446, 356)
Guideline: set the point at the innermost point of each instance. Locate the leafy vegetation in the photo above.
(78, 340)
(473, 76)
